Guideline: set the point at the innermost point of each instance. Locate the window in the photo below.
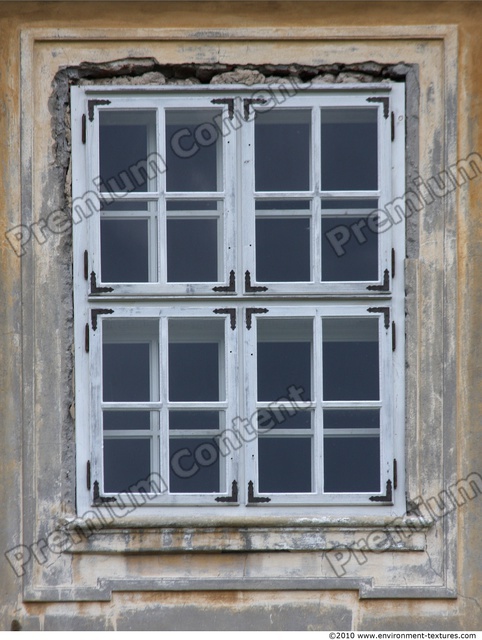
(239, 297)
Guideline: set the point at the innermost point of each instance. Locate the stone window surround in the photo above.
(319, 533)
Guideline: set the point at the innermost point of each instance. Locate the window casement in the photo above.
(239, 296)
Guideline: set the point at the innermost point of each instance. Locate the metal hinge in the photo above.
(86, 265)
(386, 104)
(248, 287)
(249, 315)
(252, 499)
(94, 103)
(227, 101)
(381, 287)
(386, 314)
(97, 312)
(388, 497)
(94, 288)
(87, 338)
(88, 475)
(394, 336)
(392, 122)
(98, 499)
(232, 315)
(231, 287)
(393, 263)
(395, 474)
(234, 494)
(84, 128)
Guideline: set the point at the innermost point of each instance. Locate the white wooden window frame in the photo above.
(314, 299)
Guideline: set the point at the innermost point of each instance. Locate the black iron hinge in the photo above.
(252, 499)
(86, 265)
(84, 128)
(388, 497)
(94, 103)
(227, 101)
(234, 494)
(98, 499)
(386, 314)
(392, 122)
(98, 312)
(249, 315)
(248, 287)
(381, 287)
(87, 338)
(232, 315)
(395, 474)
(88, 475)
(247, 102)
(394, 336)
(393, 263)
(93, 285)
(231, 287)
(385, 102)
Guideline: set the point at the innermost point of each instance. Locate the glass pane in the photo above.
(194, 419)
(284, 465)
(350, 359)
(196, 360)
(351, 418)
(123, 420)
(194, 466)
(126, 138)
(123, 205)
(129, 360)
(349, 156)
(192, 250)
(282, 150)
(349, 247)
(193, 150)
(125, 251)
(127, 462)
(352, 464)
(283, 249)
(284, 357)
(284, 416)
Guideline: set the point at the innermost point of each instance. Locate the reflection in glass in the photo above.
(124, 250)
(126, 138)
(192, 250)
(349, 156)
(282, 150)
(196, 356)
(194, 465)
(359, 458)
(127, 462)
(350, 359)
(349, 249)
(282, 249)
(194, 419)
(193, 150)
(129, 360)
(284, 357)
(124, 420)
(284, 465)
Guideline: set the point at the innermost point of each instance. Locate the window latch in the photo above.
(234, 494)
(252, 499)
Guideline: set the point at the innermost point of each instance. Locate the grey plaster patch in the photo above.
(430, 622)
(300, 617)
(54, 622)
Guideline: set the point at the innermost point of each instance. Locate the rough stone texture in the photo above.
(240, 76)
(59, 622)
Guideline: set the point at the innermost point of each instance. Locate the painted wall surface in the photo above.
(203, 574)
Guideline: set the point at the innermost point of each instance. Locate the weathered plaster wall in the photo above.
(22, 410)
